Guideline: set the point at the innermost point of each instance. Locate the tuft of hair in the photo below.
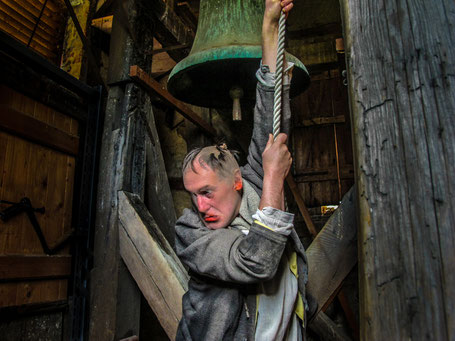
(218, 158)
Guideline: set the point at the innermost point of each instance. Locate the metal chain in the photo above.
(279, 76)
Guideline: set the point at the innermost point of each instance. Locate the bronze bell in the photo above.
(220, 69)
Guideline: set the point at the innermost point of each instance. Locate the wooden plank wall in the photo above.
(18, 18)
(315, 168)
(46, 176)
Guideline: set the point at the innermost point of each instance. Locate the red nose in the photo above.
(202, 204)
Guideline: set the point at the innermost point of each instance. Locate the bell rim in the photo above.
(236, 52)
(245, 56)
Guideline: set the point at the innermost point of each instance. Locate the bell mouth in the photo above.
(206, 77)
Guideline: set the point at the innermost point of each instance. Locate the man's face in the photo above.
(216, 199)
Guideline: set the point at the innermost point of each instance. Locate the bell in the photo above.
(220, 70)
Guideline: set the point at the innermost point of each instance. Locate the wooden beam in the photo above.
(86, 43)
(323, 121)
(122, 167)
(325, 174)
(104, 24)
(183, 10)
(301, 204)
(169, 29)
(37, 131)
(401, 90)
(327, 329)
(311, 228)
(151, 261)
(153, 87)
(333, 253)
(169, 48)
(12, 313)
(21, 267)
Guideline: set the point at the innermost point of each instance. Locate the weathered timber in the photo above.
(169, 28)
(139, 75)
(8, 314)
(400, 57)
(312, 229)
(169, 48)
(34, 267)
(104, 24)
(314, 121)
(152, 262)
(333, 253)
(35, 77)
(301, 204)
(183, 9)
(327, 329)
(35, 130)
(86, 43)
(325, 174)
(122, 167)
(158, 196)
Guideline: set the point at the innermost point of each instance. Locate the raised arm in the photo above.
(253, 171)
(270, 30)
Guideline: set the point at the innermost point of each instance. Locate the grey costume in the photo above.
(225, 265)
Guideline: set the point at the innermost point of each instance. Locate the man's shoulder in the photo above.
(189, 220)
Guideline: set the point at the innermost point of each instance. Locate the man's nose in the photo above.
(202, 204)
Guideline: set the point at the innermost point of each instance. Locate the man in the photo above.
(246, 263)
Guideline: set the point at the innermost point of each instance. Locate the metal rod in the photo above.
(37, 23)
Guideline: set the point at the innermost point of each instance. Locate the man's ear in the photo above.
(238, 183)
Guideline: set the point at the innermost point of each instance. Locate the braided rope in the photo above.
(277, 99)
(279, 76)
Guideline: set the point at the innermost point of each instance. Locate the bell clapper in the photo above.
(236, 94)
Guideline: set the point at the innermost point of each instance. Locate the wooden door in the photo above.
(38, 148)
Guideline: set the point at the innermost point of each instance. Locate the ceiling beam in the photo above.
(170, 30)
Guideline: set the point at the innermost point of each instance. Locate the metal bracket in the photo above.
(25, 205)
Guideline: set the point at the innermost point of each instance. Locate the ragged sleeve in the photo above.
(228, 254)
(263, 122)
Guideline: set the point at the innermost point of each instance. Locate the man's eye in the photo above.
(207, 194)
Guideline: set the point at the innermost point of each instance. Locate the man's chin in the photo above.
(214, 225)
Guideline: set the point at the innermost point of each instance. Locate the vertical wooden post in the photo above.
(115, 298)
(401, 62)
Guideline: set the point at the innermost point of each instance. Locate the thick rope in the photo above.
(277, 100)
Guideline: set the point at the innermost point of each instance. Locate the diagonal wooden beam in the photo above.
(312, 229)
(151, 261)
(333, 253)
(153, 87)
(301, 204)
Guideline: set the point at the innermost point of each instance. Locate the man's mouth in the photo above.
(210, 218)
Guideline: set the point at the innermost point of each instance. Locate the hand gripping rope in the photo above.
(279, 77)
(277, 99)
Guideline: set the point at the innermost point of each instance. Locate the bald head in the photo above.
(218, 158)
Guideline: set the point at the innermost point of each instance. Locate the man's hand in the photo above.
(273, 8)
(276, 158)
(276, 162)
